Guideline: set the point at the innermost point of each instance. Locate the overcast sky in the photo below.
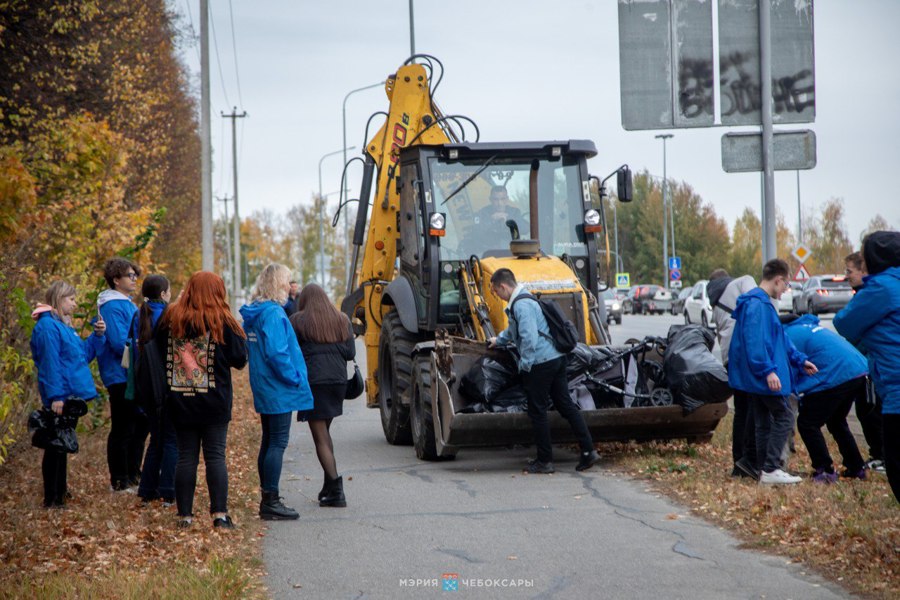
(527, 70)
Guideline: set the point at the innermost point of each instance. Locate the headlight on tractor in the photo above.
(437, 224)
(592, 221)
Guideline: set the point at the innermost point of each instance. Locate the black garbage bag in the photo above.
(692, 373)
(488, 377)
(57, 432)
(510, 400)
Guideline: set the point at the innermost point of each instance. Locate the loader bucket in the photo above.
(454, 428)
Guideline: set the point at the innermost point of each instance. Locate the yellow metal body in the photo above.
(545, 275)
(411, 109)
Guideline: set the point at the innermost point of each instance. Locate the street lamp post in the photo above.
(322, 211)
(664, 137)
(344, 145)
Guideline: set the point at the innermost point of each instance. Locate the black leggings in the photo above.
(191, 438)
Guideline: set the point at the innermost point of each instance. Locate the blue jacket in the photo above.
(760, 346)
(156, 310)
(117, 310)
(838, 361)
(62, 358)
(872, 318)
(277, 369)
(529, 331)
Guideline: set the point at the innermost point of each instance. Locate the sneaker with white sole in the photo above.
(876, 465)
(778, 477)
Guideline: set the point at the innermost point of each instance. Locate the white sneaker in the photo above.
(778, 477)
(875, 465)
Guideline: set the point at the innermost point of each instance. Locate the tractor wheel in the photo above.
(395, 379)
(421, 410)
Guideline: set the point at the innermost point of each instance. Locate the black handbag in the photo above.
(355, 384)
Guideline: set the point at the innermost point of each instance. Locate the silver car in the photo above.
(613, 307)
(823, 294)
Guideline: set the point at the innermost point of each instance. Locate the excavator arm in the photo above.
(412, 119)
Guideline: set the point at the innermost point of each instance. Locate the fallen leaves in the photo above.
(100, 531)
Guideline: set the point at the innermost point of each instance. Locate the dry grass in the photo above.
(848, 532)
(106, 545)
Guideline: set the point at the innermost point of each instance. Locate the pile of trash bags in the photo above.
(613, 377)
(695, 376)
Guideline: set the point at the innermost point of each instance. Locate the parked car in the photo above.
(678, 303)
(697, 308)
(786, 303)
(613, 306)
(647, 299)
(823, 294)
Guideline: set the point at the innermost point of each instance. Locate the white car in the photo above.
(697, 309)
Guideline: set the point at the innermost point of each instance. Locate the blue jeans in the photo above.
(276, 430)
(158, 475)
(774, 422)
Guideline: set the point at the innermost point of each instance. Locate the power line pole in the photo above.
(225, 200)
(206, 205)
(238, 297)
(665, 190)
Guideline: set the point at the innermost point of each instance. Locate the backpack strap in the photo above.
(532, 297)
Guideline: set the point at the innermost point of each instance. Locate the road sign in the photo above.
(668, 74)
(623, 280)
(675, 284)
(792, 151)
(801, 253)
(802, 274)
(675, 262)
(674, 274)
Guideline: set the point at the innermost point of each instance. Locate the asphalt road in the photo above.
(413, 527)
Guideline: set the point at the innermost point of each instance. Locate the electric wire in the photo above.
(194, 36)
(237, 74)
(212, 23)
(341, 201)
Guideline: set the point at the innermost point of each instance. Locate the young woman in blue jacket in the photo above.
(158, 472)
(278, 380)
(61, 358)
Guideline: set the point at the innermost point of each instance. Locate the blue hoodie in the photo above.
(760, 346)
(838, 361)
(872, 318)
(277, 369)
(156, 310)
(117, 310)
(62, 358)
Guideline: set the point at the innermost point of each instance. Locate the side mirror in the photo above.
(624, 184)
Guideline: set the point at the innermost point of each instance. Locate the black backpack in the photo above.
(562, 331)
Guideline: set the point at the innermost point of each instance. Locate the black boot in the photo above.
(324, 491)
(334, 493)
(271, 508)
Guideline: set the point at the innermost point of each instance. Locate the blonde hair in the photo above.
(58, 290)
(272, 283)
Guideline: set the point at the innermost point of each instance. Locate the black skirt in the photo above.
(328, 402)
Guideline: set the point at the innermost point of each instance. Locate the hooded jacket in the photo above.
(528, 331)
(872, 318)
(61, 358)
(277, 369)
(724, 305)
(117, 310)
(836, 358)
(760, 346)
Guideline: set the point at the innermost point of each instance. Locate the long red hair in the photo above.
(201, 308)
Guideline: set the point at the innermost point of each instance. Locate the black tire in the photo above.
(619, 321)
(421, 415)
(395, 379)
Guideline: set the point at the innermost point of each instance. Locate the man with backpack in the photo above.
(723, 292)
(543, 370)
